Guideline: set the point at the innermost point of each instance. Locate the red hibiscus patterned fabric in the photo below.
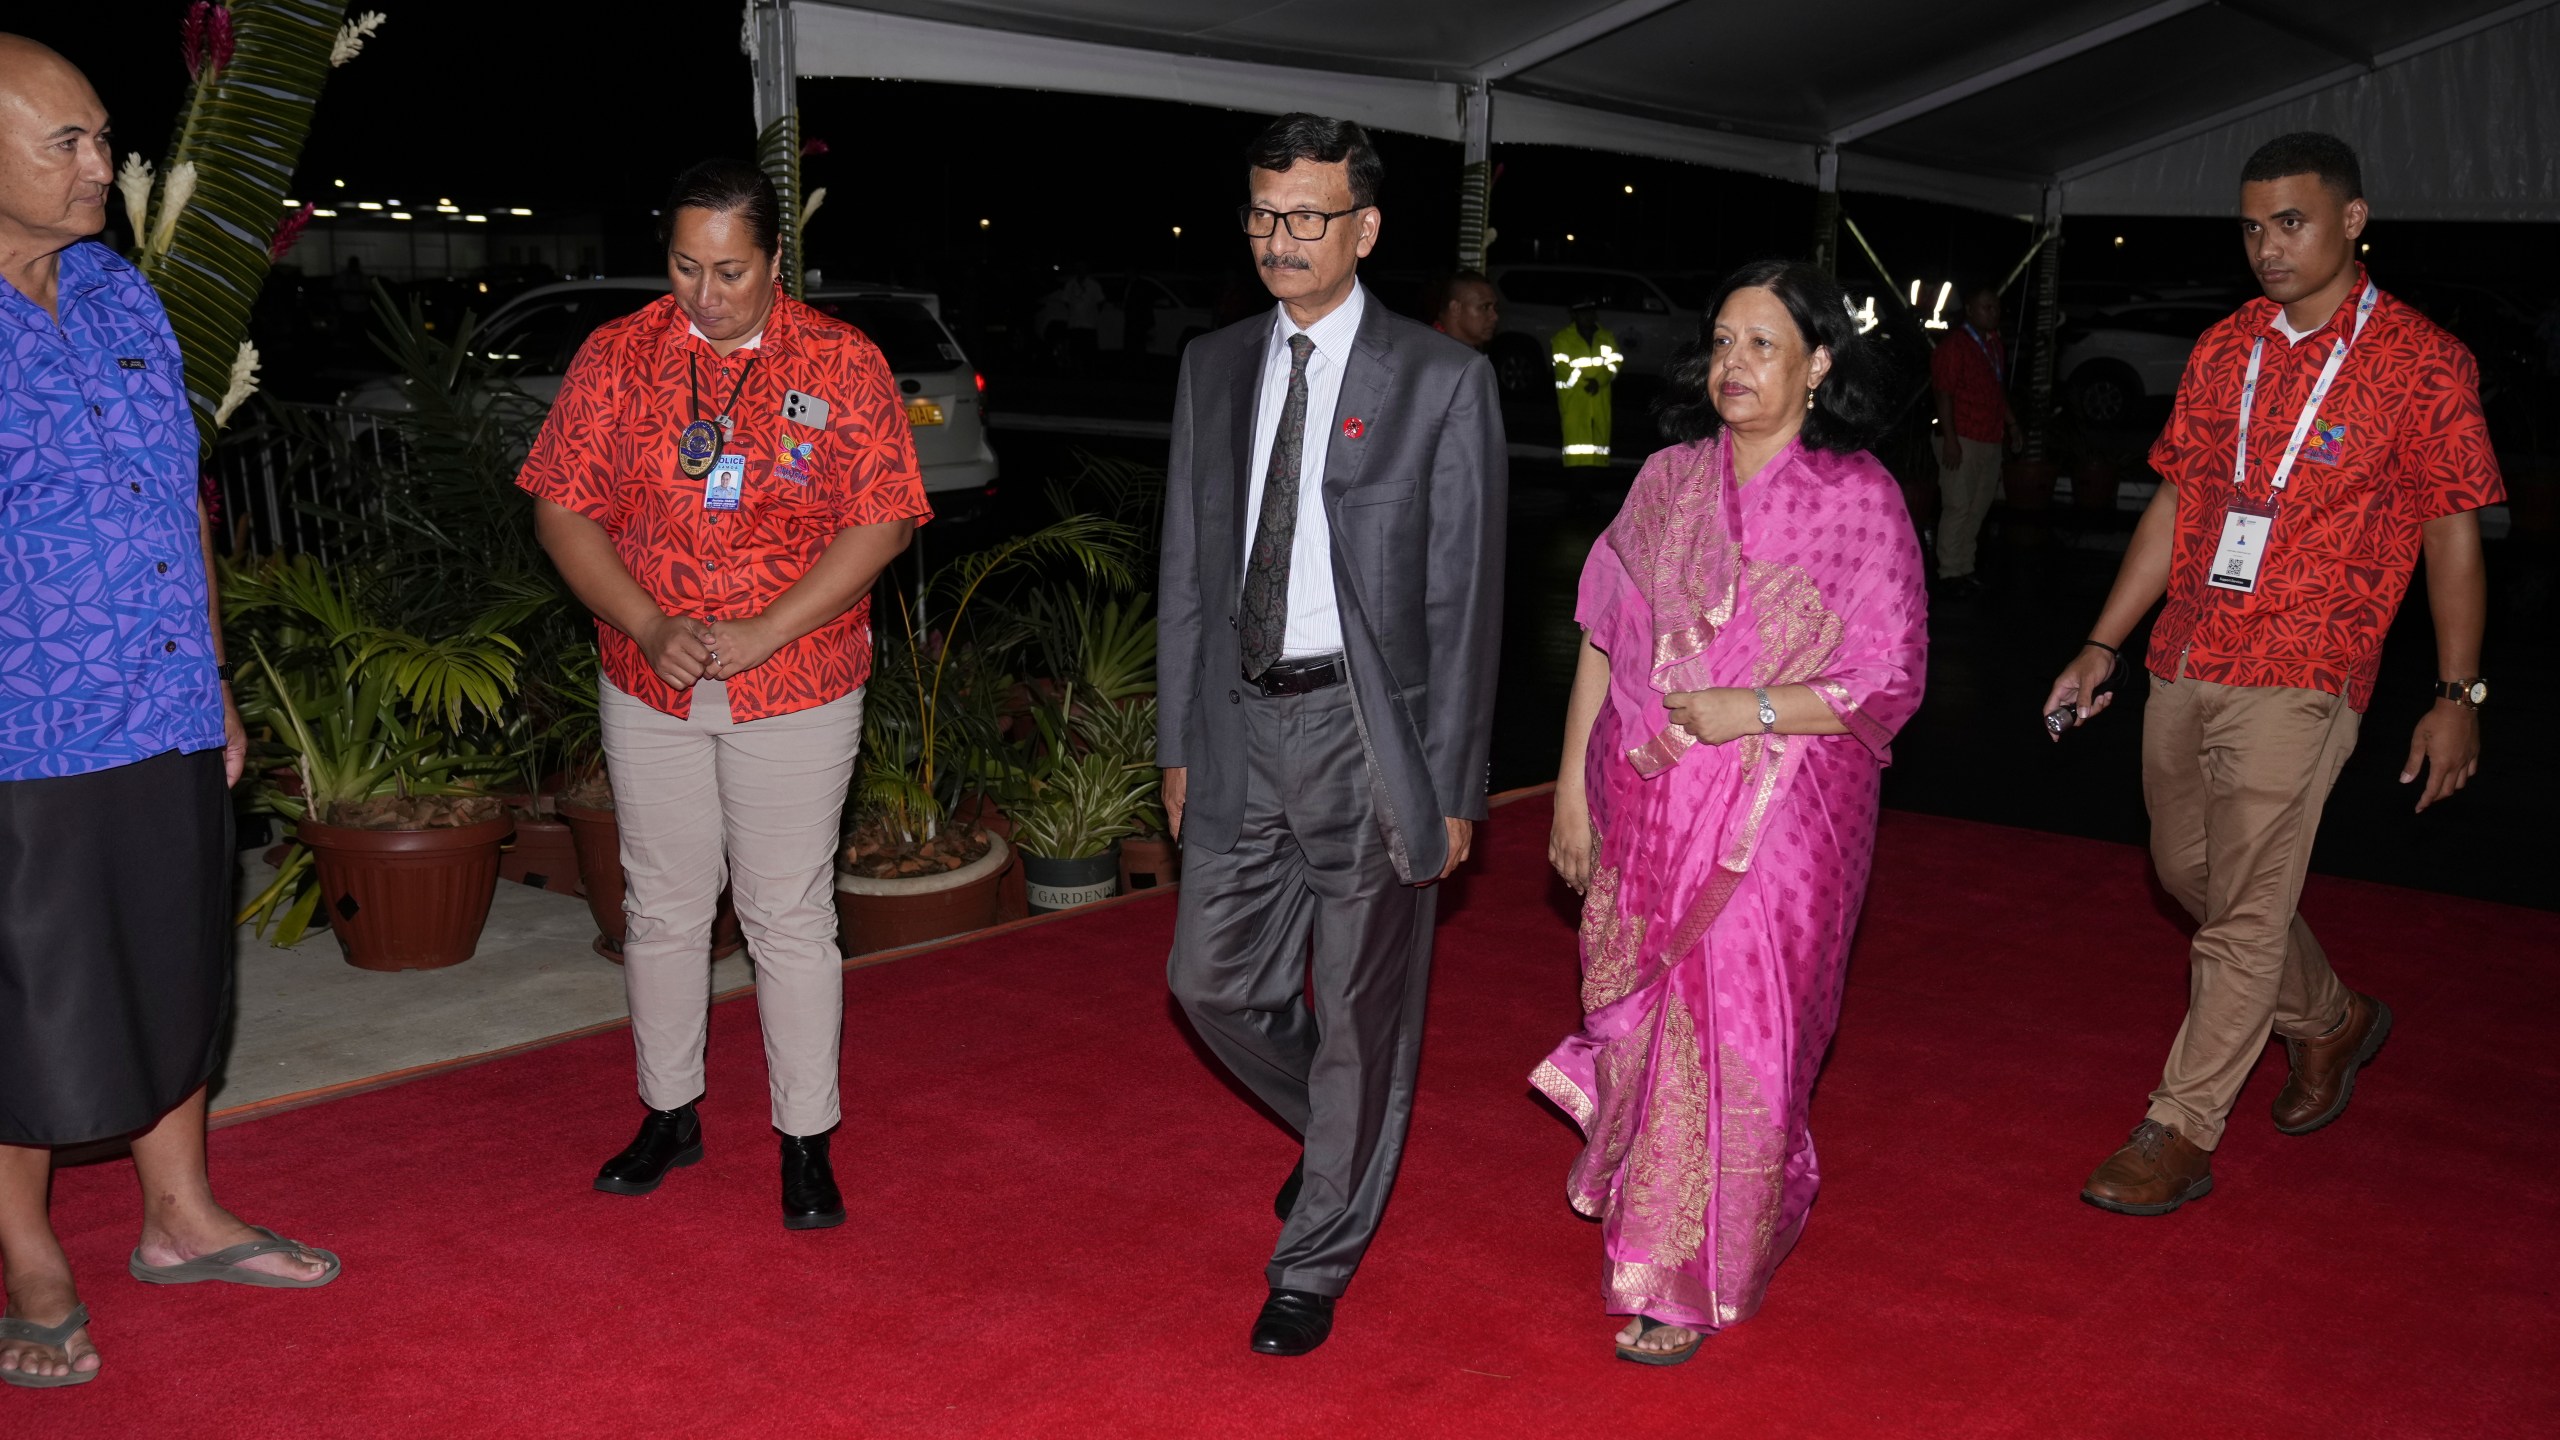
(608, 451)
(1973, 369)
(2398, 442)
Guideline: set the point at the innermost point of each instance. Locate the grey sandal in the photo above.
(225, 1265)
(51, 1337)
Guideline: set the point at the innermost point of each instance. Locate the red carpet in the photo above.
(1061, 1213)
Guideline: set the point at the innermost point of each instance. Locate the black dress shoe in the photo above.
(667, 1139)
(1292, 1322)
(1286, 1202)
(810, 1200)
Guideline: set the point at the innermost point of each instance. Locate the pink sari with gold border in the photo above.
(1727, 879)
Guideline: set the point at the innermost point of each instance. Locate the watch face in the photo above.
(2479, 692)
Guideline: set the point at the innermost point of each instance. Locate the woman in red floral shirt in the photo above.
(721, 480)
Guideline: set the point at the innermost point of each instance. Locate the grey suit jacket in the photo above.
(1415, 505)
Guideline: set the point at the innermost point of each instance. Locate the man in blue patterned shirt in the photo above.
(118, 743)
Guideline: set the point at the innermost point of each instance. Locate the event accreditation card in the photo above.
(2246, 529)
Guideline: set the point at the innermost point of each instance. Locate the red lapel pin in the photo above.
(1352, 429)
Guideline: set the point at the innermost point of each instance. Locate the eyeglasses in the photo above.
(1303, 224)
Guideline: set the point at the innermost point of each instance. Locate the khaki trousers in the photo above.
(2235, 777)
(1965, 494)
(759, 807)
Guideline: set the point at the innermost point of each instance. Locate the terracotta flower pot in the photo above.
(1149, 861)
(544, 855)
(406, 899)
(2094, 486)
(2028, 484)
(907, 910)
(1013, 902)
(597, 837)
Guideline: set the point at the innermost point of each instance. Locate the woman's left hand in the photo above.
(1715, 717)
(739, 646)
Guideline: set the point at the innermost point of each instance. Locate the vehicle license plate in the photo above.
(921, 413)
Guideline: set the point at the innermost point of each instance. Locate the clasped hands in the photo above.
(1716, 716)
(683, 649)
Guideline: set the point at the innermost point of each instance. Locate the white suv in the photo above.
(537, 333)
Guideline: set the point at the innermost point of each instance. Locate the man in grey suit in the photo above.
(1329, 617)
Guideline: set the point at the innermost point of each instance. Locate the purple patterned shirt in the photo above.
(106, 645)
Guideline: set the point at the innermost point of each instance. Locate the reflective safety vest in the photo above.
(1578, 360)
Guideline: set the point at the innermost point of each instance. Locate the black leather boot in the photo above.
(667, 1139)
(809, 1197)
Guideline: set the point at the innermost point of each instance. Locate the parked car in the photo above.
(2120, 356)
(1537, 301)
(1172, 311)
(538, 333)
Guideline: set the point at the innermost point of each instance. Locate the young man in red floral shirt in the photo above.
(2324, 438)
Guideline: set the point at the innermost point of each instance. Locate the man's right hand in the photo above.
(679, 649)
(1177, 788)
(2078, 681)
(1951, 451)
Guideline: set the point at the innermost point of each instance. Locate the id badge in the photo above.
(725, 484)
(2246, 530)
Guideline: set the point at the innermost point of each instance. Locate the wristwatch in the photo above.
(2473, 693)
(1768, 712)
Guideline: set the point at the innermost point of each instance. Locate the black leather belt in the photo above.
(1300, 677)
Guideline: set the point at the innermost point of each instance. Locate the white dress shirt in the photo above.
(1315, 625)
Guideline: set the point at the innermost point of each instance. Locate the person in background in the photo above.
(1969, 374)
(1466, 308)
(723, 476)
(2324, 438)
(1083, 298)
(1587, 360)
(1755, 631)
(118, 746)
(1317, 798)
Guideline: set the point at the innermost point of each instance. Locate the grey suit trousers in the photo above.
(1310, 878)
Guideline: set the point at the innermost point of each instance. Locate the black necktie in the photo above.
(1265, 621)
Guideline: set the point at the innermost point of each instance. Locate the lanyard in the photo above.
(1999, 368)
(693, 387)
(2310, 405)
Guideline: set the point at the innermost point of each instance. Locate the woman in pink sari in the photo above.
(1754, 634)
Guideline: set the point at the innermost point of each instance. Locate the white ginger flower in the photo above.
(173, 203)
(809, 211)
(352, 35)
(244, 383)
(133, 182)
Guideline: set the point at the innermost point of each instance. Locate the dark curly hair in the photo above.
(1853, 405)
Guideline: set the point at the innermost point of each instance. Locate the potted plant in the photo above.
(387, 832)
(1095, 779)
(932, 734)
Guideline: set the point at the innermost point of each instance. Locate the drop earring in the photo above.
(1808, 395)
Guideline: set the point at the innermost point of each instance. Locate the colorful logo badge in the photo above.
(2325, 445)
(793, 463)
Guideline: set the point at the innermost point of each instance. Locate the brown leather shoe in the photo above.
(2324, 1067)
(2157, 1171)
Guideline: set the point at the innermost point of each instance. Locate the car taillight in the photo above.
(982, 383)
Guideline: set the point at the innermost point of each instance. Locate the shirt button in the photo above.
(1234, 699)
(164, 567)
(137, 489)
(169, 647)
(94, 410)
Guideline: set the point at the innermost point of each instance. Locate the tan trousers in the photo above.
(1965, 494)
(757, 806)
(2235, 777)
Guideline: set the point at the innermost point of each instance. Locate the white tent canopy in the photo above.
(2010, 106)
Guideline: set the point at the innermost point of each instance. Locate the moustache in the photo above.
(1283, 262)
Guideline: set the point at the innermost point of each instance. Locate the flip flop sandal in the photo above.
(51, 1337)
(1661, 1357)
(225, 1265)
